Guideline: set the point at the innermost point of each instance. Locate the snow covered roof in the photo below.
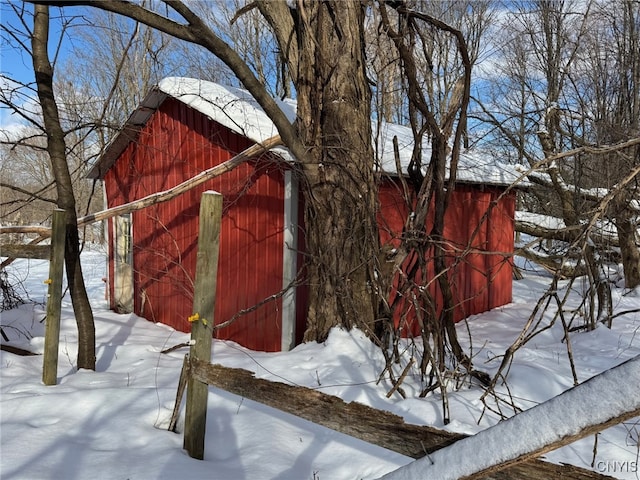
(474, 166)
(237, 110)
(232, 107)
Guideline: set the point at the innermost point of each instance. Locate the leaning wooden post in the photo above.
(54, 298)
(202, 320)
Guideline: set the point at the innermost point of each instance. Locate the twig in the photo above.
(176, 347)
(185, 373)
(401, 379)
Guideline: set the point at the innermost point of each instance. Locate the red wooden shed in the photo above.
(184, 126)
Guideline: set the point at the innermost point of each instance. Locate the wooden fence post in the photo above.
(54, 298)
(202, 319)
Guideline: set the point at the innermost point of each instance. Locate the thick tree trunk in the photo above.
(334, 123)
(627, 235)
(66, 200)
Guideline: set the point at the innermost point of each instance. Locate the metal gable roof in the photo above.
(237, 110)
(129, 132)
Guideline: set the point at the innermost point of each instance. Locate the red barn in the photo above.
(185, 126)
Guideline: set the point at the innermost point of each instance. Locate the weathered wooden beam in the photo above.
(354, 419)
(602, 401)
(25, 251)
(54, 298)
(365, 423)
(204, 296)
(26, 229)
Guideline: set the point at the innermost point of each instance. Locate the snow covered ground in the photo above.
(111, 424)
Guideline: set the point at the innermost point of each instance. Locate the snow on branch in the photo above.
(552, 424)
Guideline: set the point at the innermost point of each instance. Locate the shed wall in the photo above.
(479, 241)
(176, 144)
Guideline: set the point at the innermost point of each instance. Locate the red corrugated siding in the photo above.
(477, 221)
(500, 232)
(176, 144)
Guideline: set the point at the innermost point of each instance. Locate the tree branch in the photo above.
(196, 31)
(26, 192)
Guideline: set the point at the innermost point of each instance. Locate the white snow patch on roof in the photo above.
(545, 221)
(474, 166)
(237, 110)
(232, 107)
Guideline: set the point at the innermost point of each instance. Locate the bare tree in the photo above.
(249, 33)
(568, 77)
(439, 113)
(28, 192)
(28, 178)
(613, 94)
(82, 116)
(56, 149)
(331, 139)
(437, 62)
(114, 65)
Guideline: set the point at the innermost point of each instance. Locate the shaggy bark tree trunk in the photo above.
(66, 200)
(323, 43)
(629, 248)
(334, 122)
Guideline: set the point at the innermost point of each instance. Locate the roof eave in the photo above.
(128, 133)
